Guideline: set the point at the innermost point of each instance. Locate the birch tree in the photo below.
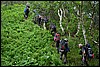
(60, 13)
(93, 6)
(78, 15)
(82, 22)
(91, 14)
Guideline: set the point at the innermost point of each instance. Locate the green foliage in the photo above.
(24, 43)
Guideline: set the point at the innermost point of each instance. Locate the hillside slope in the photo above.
(24, 43)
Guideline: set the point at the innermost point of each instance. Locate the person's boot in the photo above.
(58, 51)
(60, 58)
(65, 61)
(86, 63)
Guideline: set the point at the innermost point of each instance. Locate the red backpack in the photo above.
(57, 37)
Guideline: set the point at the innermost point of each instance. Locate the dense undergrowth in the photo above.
(24, 43)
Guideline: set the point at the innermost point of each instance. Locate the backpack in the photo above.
(57, 37)
(53, 26)
(64, 45)
(45, 20)
(25, 10)
(90, 53)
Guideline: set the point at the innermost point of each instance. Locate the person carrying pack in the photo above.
(83, 52)
(26, 11)
(37, 17)
(64, 49)
(57, 40)
(90, 53)
(53, 28)
(57, 37)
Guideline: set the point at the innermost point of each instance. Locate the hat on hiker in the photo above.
(27, 4)
(80, 45)
(66, 39)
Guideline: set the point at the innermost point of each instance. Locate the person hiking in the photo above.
(83, 53)
(64, 48)
(45, 20)
(26, 11)
(52, 28)
(57, 40)
(39, 19)
(36, 17)
(90, 53)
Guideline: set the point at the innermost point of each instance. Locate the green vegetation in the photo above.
(24, 43)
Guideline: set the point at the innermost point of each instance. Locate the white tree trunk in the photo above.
(84, 34)
(83, 28)
(91, 25)
(60, 22)
(95, 42)
(64, 12)
(78, 28)
(78, 14)
(92, 16)
(44, 25)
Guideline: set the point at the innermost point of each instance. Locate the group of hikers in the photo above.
(62, 45)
